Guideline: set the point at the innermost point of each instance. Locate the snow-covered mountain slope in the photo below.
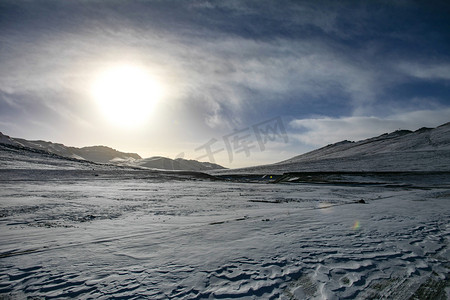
(426, 149)
(424, 139)
(158, 162)
(103, 154)
(100, 154)
(16, 157)
(18, 163)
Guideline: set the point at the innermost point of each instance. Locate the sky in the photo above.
(240, 83)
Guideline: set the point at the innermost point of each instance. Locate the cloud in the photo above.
(243, 75)
(226, 54)
(324, 130)
(218, 63)
(428, 71)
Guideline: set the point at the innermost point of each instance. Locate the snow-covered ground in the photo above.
(140, 235)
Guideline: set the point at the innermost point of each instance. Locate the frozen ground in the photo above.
(130, 234)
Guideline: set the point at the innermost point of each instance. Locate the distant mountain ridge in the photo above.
(164, 163)
(426, 149)
(423, 139)
(103, 154)
(100, 154)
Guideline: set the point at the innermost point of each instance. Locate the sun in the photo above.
(126, 94)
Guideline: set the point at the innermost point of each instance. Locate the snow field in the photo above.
(113, 237)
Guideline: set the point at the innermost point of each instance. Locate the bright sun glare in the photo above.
(126, 95)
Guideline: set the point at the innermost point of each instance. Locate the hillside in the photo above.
(16, 157)
(103, 154)
(426, 149)
(158, 162)
(99, 154)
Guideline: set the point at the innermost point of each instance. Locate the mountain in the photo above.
(103, 154)
(158, 162)
(426, 149)
(100, 154)
(14, 157)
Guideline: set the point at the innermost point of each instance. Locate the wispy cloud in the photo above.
(428, 71)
